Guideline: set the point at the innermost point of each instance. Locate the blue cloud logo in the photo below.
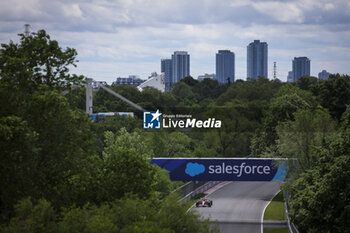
(193, 169)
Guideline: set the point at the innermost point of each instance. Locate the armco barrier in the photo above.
(200, 189)
(188, 188)
(291, 227)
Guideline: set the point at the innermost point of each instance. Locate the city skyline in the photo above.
(125, 37)
(301, 67)
(225, 66)
(166, 68)
(180, 66)
(257, 59)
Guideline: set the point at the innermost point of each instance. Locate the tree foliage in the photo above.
(320, 196)
(126, 166)
(288, 100)
(334, 94)
(299, 139)
(120, 216)
(45, 140)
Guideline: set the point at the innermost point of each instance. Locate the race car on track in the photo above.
(204, 202)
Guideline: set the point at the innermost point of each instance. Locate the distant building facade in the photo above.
(225, 66)
(202, 77)
(175, 69)
(180, 65)
(132, 80)
(290, 77)
(323, 75)
(96, 86)
(301, 67)
(166, 68)
(257, 54)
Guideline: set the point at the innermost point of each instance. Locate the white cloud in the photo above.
(72, 10)
(285, 12)
(329, 6)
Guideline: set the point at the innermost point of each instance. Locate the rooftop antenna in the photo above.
(26, 29)
(274, 70)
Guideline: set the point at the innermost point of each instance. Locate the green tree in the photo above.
(126, 167)
(189, 81)
(18, 161)
(120, 216)
(64, 139)
(105, 102)
(178, 145)
(261, 89)
(152, 99)
(281, 108)
(319, 197)
(299, 139)
(209, 89)
(334, 94)
(32, 218)
(168, 144)
(113, 124)
(36, 60)
(306, 82)
(184, 95)
(56, 137)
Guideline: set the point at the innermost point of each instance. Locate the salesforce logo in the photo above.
(243, 169)
(240, 170)
(194, 169)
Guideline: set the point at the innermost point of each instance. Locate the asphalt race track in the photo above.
(238, 206)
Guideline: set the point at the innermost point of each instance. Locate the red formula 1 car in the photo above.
(204, 203)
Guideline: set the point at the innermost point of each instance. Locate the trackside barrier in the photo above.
(200, 189)
(291, 227)
(188, 188)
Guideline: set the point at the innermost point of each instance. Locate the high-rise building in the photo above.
(225, 66)
(204, 76)
(301, 67)
(290, 77)
(180, 65)
(132, 80)
(257, 59)
(166, 68)
(323, 75)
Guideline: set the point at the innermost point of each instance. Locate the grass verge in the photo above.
(275, 230)
(275, 210)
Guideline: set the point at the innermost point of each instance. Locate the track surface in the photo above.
(238, 206)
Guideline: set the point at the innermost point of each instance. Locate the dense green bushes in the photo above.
(122, 215)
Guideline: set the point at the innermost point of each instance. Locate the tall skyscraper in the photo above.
(290, 77)
(323, 75)
(180, 65)
(301, 67)
(225, 66)
(257, 59)
(166, 68)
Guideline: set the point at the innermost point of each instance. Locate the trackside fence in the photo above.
(188, 188)
(291, 227)
(191, 189)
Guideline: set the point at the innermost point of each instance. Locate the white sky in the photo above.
(123, 37)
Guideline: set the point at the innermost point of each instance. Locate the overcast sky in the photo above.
(124, 37)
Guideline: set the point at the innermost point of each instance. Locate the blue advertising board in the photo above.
(223, 169)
